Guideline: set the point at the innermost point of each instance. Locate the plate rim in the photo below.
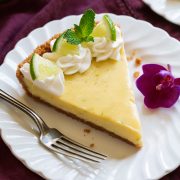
(25, 162)
(148, 2)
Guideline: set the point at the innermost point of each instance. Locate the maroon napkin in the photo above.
(19, 17)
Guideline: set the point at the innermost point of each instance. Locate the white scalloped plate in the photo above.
(169, 9)
(161, 134)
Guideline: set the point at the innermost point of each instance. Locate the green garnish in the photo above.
(82, 32)
(32, 71)
(72, 37)
(56, 43)
(41, 68)
(111, 26)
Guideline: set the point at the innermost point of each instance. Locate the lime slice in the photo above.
(105, 28)
(100, 30)
(51, 56)
(41, 68)
(57, 43)
(63, 48)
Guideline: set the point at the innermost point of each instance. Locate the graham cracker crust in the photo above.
(41, 50)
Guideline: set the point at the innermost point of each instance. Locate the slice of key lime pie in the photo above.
(83, 72)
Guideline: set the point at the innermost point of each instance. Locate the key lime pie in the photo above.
(83, 72)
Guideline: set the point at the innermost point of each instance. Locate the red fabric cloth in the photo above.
(18, 18)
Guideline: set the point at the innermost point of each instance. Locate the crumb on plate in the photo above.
(136, 74)
(91, 145)
(129, 58)
(133, 53)
(138, 61)
(87, 130)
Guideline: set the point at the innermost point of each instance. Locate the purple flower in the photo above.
(158, 85)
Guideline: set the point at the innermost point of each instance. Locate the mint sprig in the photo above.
(87, 23)
(81, 33)
(72, 37)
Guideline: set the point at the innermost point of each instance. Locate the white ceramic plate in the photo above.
(169, 9)
(161, 135)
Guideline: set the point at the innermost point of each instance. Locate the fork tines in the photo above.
(66, 146)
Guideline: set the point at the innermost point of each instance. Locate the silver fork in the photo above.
(54, 140)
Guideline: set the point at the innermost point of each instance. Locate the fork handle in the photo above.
(36, 118)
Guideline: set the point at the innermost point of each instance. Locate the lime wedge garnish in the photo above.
(105, 28)
(53, 56)
(63, 48)
(100, 30)
(57, 43)
(41, 68)
(32, 68)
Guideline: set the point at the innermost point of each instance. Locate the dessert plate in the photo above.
(161, 135)
(169, 9)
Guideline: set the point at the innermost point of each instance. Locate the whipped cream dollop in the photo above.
(103, 49)
(72, 63)
(53, 84)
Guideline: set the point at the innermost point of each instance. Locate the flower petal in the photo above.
(152, 68)
(145, 84)
(164, 98)
(177, 81)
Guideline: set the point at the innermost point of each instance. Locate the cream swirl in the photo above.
(52, 84)
(71, 64)
(103, 49)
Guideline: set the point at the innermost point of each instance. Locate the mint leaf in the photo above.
(78, 31)
(87, 22)
(88, 39)
(82, 32)
(71, 37)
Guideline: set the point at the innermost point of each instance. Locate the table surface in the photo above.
(18, 18)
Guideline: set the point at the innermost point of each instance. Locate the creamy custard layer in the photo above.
(102, 95)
